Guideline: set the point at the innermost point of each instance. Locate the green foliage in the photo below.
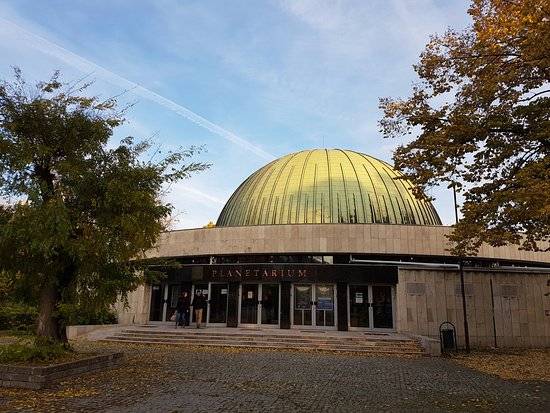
(17, 316)
(74, 314)
(87, 208)
(5, 287)
(480, 118)
(14, 288)
(155, 269)
(37, 350)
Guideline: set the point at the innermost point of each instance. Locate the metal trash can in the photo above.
(447, 336)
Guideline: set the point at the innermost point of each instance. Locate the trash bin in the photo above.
(447, 336)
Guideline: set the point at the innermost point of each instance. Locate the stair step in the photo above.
(268, 344)
(256, 335)
(271, 345)
(411, 345)
(292, 339)
(379, 344)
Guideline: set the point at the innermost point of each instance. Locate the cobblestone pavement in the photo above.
(170, 379)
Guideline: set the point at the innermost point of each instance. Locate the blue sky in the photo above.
(250, 80)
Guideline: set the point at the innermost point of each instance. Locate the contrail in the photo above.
(85, 65)
(195, 191)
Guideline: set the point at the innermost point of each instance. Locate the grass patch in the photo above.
(33, 351)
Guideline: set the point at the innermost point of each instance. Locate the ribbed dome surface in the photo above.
(326, 186)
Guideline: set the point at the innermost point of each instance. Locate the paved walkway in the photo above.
(170, 379)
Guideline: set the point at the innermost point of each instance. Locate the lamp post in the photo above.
(462, 289)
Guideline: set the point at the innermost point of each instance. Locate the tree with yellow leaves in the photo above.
(480, 119)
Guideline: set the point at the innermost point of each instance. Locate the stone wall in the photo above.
(324, 239)
(137, 311)
(38, 377)
(426, 298)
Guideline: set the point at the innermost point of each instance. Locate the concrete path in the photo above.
(176, 379)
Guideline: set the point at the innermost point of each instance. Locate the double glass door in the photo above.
(313, 305)
(259, 304)
(164, 299)
(215, 295)
(370, 306)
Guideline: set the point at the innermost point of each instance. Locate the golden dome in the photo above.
(326, 186)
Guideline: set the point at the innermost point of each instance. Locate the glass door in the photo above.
(324, 305)
(382, 311)
(249, 303)
(174, 291)
(370, 306)
(217, 313)
(155, 313)
(359, 306)
(303, 303)
(270, 304)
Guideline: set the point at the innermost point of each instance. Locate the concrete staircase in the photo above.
(365, 343)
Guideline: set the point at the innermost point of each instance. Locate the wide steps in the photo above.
(305, 336)
(271, 345)
(269, 339)
(289, 340)
(378, 345)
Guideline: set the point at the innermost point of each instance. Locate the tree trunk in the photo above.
(49, 323)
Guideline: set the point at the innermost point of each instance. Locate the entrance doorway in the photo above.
(313, 305)
(164, 299)
(370, 306)
(260, 304)
(217, 304)
(215, 295)
(269, 304)
(157, 302)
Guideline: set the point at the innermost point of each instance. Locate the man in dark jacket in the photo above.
(199, 305)
(182, 308)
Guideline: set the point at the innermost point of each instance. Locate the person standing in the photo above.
(199, 305)
(182, 308)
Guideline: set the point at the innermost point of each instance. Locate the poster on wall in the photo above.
(302, 299)
(358, 298)
(324, 303)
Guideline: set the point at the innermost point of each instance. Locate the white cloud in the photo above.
(80, 63)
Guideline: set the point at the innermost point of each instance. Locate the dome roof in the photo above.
(326, 186)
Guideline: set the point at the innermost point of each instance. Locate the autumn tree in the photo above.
(81, 208)
(479, 117)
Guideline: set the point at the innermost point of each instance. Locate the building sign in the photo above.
(240, 273)
(304, 272)
(358, 298)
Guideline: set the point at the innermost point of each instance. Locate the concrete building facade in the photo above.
(329, 239)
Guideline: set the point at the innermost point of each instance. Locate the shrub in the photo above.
(80, 315)
(37, 350)
(20, 317)
(17, 316)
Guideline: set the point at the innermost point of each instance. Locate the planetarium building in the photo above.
(333, 240)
